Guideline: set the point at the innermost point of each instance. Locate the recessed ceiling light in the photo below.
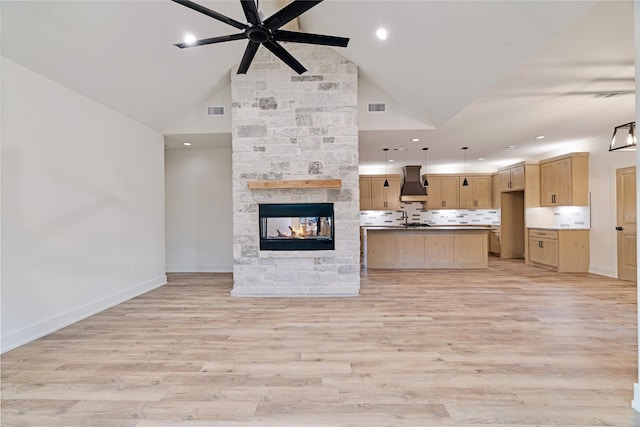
(391, 160)
(511, 147)
(189, 38)
(382, 33)
(415, 140)
(186, 143)
(540, 137)
(480, 158)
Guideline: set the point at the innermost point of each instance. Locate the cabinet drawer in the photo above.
(549, 234)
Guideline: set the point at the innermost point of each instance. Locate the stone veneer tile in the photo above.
(286, 126)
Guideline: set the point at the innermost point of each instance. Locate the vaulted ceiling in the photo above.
(482, 74)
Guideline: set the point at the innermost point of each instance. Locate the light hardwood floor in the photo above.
(513, 345)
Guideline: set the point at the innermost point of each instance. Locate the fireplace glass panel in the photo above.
(296, 226)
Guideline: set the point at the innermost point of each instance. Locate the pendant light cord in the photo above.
(386, 173)
(425, 182)
(465, 183)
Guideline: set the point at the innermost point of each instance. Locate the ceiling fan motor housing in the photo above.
(258, 34)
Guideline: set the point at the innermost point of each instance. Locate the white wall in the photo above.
(199, 209)
(82, 207)
(635, 403)
(199, 121)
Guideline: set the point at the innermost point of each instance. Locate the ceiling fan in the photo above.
(265, 31)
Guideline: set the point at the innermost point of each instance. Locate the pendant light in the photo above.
(465, 183)
(386, 175)
(425, 183)
(624, 137)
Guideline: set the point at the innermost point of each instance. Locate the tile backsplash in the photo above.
(559, 217)
(416, 213)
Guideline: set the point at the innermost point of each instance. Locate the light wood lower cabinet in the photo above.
(426, 249)
(494, 242)
(562, 250)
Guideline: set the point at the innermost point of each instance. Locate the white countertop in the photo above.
(557, 228)
(432, 228)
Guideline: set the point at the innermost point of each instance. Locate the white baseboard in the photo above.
(199, 269)
(602, 271)
(30, 333)
(635, 403)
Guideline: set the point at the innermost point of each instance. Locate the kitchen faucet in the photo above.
(405, 217)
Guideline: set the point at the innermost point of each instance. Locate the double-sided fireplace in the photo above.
(296, 227)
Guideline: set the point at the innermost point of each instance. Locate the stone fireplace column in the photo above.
(287, 126)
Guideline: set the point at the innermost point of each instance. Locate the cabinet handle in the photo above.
(619, 228)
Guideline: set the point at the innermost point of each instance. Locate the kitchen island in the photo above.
(425, 247)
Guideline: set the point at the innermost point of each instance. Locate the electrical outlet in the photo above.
(131, 271)
(298, 151)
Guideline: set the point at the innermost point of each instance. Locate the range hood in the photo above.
(412, 189)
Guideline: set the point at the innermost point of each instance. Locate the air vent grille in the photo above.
(377, 107)
(215, 111)
(606, 94)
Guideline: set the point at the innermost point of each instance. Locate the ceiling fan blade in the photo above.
(213, 14)
(288, 13)
(296, 37)
(212, 40)
(285, 56)
(249, 53)
(251, 11)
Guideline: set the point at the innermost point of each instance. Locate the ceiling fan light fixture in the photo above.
(382, 33)
(189, 39)
(624, 137)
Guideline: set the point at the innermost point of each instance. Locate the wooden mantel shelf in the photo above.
(297, 183)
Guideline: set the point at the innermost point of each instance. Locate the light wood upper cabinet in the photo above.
(365, 193)
(375, 196)
(564, 180)
(495, 178)
(443, 192)
(512, 178)
(478, 194)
